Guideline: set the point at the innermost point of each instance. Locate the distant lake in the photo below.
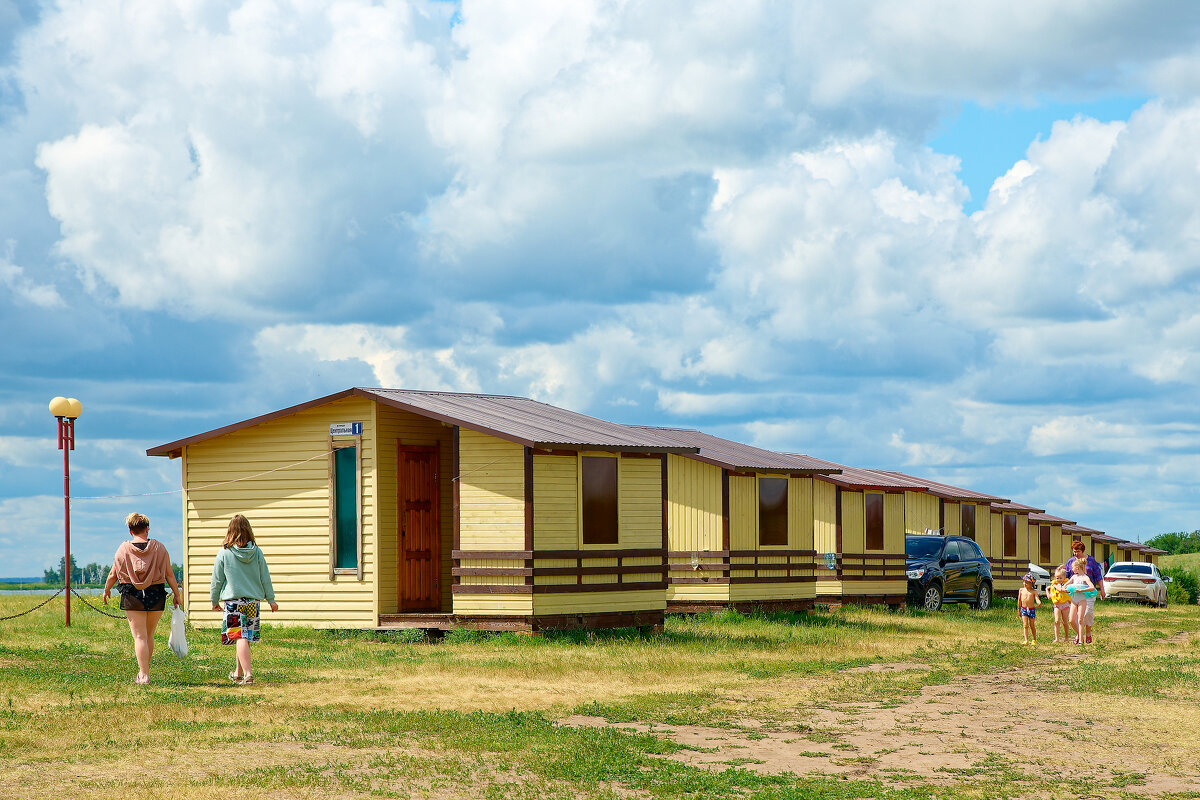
(33, 592)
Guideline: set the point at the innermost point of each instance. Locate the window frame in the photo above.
(1005, 533)
(583, 541)
(786, 518)
(867, 522)
(1044, 537)
(335, 444)
(962, 521)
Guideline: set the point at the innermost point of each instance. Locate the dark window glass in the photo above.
(968, 521)
(952, 550)
(922, 546)
(599, 500)
(873, 509)
(942, 516)
(1010, 534)
(772, 511)
(1045, 531)
(976, 553)
(345, 507)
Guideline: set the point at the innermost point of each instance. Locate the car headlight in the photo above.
(915, 573)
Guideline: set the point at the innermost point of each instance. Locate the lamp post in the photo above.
(66, 409)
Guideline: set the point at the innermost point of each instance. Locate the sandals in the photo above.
(241, 680)
(246, 681)
(233, 676)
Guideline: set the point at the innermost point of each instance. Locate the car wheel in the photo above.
(983, 597)
(933, 597)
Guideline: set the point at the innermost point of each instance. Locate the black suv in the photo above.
(946, 569)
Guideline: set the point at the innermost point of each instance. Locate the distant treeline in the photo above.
(1177, 543)
(92, 574)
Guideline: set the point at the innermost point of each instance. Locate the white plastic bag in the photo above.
(177, 641)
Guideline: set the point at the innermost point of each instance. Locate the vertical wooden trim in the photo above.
(332, 508)
(665, 495)
(358, 500)
(941, 516)
(528, 498)
(724, 509)
(456, 480)
(183, 470)
(837, 516)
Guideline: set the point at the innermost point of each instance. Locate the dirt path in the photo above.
(948, 733)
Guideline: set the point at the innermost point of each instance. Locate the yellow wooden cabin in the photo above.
(1153, 554)
(947, 510)
(1008, 548)
(1048, 546)
(859, 524)
(739, 525)
(381, 508)
(1103, 546)
(1077, 533)
(1121, 551)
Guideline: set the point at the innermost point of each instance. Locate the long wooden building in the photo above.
(740, 525)
(389, 508)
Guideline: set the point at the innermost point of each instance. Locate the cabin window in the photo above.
(968, 521)
(345, 498)
(1045, 532)
(942, 517)
(772, 511)
(599, 500)
(873, 513)
(1010, 534)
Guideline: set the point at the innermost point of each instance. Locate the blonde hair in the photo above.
(1079, 566)
(138, 523)
(239, 533)
(1060, 574)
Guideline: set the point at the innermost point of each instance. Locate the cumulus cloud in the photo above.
(724, 215)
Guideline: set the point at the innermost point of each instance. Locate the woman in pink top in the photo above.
(139, 569)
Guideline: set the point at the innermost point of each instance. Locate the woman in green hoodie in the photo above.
(240, 581)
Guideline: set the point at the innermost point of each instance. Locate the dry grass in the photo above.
(860, 692)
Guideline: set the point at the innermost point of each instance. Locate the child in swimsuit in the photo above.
(1080, 603)
(1058, 596)
(1027, 602)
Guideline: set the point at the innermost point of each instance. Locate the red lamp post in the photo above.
(66, 409)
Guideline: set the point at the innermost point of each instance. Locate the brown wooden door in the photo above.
(420, 551)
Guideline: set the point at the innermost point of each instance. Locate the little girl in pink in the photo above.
(1080, 602)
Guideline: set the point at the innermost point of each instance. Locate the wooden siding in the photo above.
(289, 509)
(743, 512)
(397, 427)
(953, 518)
(694, 505)
(640, 501)
(491, 517)
(893, 522)
(920, 512)
(824, 517)
(853, 522)
(556, 502)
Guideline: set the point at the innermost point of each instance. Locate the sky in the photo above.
(957, 239)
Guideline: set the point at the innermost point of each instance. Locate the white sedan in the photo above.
(1136, 580)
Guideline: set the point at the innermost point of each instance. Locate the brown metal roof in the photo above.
(728, 454)
(1153, 550)
(1103, 538)
(1042, 516)
(1017, 507)
(1076, 528)
(858, 479)
(948, 492)
(515, 419)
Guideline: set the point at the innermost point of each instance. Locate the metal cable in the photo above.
(93, 608)
(39, 605)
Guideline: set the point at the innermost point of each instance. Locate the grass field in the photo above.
(1189, 561)
(854, 703)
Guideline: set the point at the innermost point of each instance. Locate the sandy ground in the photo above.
(949, 733)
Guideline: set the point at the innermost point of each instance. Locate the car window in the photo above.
(952, 550)
(1132, 569)
(974, 549)
(922, 546)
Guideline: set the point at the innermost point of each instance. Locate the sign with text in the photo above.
(345, 429)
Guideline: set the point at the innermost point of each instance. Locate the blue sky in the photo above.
(953, 239)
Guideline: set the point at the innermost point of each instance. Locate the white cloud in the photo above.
(1080, 434)
(22, 288)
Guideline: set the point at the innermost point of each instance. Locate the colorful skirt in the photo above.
(240, 621)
